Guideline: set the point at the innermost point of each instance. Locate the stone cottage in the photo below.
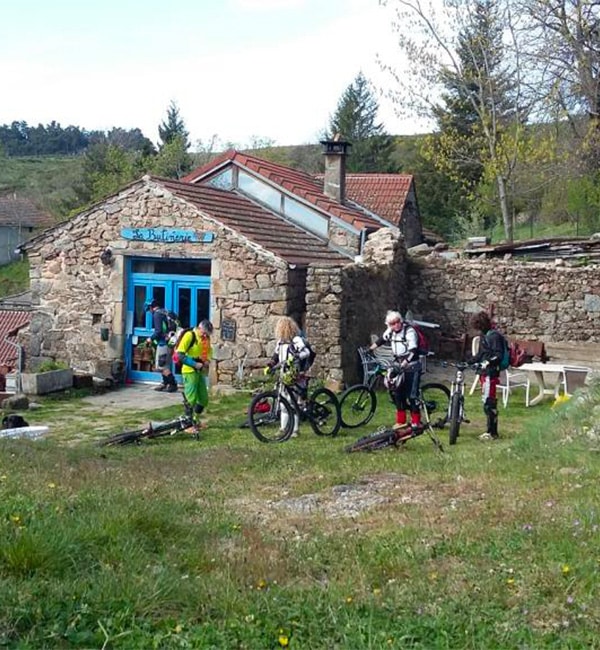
(240, 241)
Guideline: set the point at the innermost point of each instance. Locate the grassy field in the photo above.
(230, 543)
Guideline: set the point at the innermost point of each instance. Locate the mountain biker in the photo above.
(404, 377)
(160, 336)
(291, 353)
(491, 348)
(195, 352)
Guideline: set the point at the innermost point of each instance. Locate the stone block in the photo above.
(40, 383)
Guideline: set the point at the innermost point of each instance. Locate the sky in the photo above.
(240, 70)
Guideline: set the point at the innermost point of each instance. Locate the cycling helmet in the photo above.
(393, 378)
(206, 326)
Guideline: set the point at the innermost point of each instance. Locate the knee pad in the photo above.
(198, 408)
(413, 405)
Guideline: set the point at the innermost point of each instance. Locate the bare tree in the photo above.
(437, 39)
(562, 42)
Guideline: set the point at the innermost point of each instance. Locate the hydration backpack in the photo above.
(505, 358)
(423, 342)
(171, 321)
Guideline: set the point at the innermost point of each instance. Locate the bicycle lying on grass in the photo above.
(159, 430)
(387, 436)
(271, 413)
(359, 402)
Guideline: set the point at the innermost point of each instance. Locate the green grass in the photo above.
(230, 543)
(14, 278)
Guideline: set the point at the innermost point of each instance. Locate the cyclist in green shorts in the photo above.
(195, 352)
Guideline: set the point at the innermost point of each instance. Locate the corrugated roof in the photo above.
(294, 181)
(284, 239)
(10, 323)
(18, 211)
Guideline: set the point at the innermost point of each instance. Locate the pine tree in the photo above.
(173, 127)
(355, 122)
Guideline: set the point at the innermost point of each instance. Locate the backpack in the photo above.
(171, 321)
(174, 343)
(423, 342)
(505, 358)
(307, 363)
(518, 356)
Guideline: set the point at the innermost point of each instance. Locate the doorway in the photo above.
(181, 286)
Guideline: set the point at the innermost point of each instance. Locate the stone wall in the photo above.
(532, 300)
(346, 306)
(74, 294)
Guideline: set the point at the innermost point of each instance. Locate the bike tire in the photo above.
(378, 440)
(124, 438)
(455, 418)
(266, 424)
(437, 399)
(323, 412)
(357, 406)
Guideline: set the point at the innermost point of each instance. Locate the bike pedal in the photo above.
(466, 421)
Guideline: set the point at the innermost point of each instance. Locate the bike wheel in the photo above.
(323, 412)
(378, 440)
(357, 406)
(124, 438)
(436, 398)
(455, 418)
(265, 417)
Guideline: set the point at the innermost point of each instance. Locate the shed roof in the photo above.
(19, 211)
(10, 323)
(382, 194)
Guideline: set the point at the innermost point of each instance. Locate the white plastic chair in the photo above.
(514, 378)
(474, 351)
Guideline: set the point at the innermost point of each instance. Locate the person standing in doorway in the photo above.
(404, 378)
(160, 337)
(491, 348)
(194, 351)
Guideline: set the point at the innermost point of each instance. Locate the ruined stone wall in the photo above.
(346, 306)
(74, 294)
(532, 300)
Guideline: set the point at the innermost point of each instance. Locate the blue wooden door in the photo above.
(187, 296)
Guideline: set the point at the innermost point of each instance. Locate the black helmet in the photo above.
(206, 326)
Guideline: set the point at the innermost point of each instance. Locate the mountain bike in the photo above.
(359, 402)
(387, 437)
(456, 407)
(151, 430)
(271, 413)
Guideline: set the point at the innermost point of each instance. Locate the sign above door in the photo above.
(167, 235)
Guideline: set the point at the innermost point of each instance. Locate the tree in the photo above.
(462, 74)
(173, 127)
(172, 160)
(355, 122)
(562, 40)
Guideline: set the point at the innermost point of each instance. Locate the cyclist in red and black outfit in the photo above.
(491, 348)
(403, 380)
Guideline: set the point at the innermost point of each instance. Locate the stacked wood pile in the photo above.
(573, 250)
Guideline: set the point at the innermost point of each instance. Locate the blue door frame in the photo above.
(187, 296)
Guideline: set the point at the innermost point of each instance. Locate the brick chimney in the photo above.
(334, 183)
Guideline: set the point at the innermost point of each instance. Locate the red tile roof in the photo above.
(18, 211)
(383, 194)
(295, 181)
(292, 243)
(10, 323)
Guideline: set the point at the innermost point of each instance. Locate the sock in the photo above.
(415, 419)
(400, 417)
